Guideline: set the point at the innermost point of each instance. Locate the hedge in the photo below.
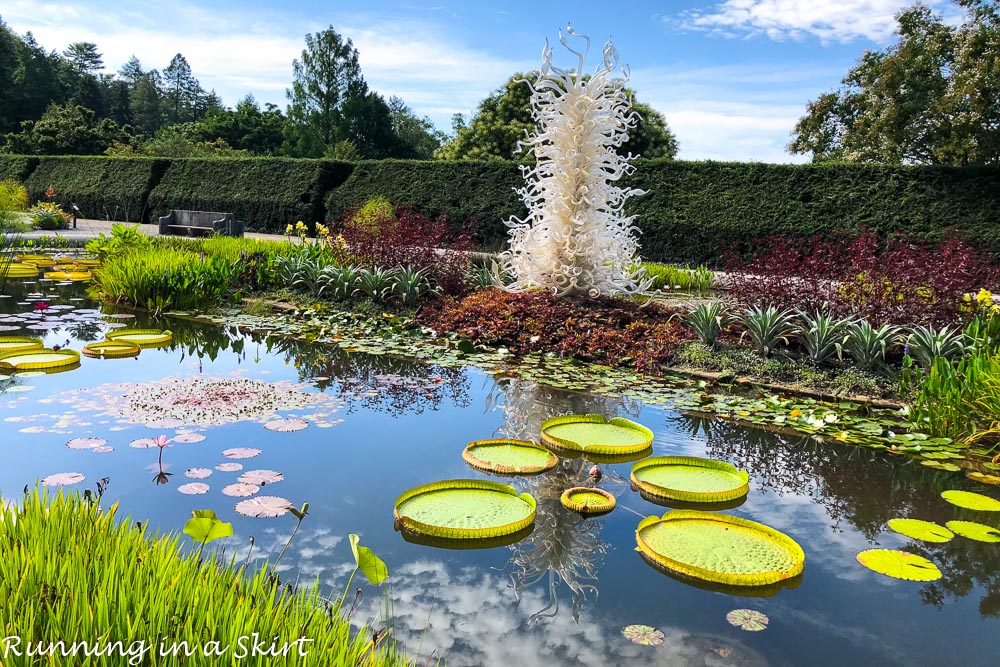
(265, 193)
(693, 210)
(103, 188)
(478, 196)
(16, 167)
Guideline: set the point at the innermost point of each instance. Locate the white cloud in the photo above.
(829, 20)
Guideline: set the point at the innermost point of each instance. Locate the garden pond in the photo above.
(250, 415)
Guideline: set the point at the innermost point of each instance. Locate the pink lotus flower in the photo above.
(41, 305)
(162, 441)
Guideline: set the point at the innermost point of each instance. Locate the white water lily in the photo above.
(575, 239)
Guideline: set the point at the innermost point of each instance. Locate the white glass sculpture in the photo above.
(575, 239)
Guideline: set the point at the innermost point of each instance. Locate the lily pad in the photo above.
(264, 506)
(229, 467)
(972, 501)
(63, 479)
(690, 479)
(193, 489)
(286, 425)
(928, 531)
(16, 343)
(198, 473)
(142, 337)
(595, 434)
(241, 490)
(899, 564)
(983, 478)
(111, 349)
(750, 620)
(261, 477)
(188, 438)
(643, 634)
(588, 500)
(464, 509)
(719, 548)
(41, 358)
(241, 453)
(509, 457)
(143, 443)
(86, 443)
(975, 531)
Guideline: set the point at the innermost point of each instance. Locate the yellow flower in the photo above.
(795, 413)
(288, 229)
(300, 225)
(985, 297)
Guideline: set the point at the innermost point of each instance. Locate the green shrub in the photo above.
(47, 215)
(60, 550)
(13, 196)
(475, 196)
(103, 188)
(161, 278)
(17, 167)
(265, 193)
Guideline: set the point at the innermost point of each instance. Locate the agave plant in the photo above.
(927, 343)
(410, 284)
(867, 345)
(708, 319)
(375, 283)
(767, 327)
(338, 282)
(822, 335)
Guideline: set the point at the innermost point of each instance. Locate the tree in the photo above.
(84, 58)
(181, 91)
(325, 77)
(131, 72)
(246, 127)
(418, 138)
(931, 98)
(67, 130)
(504, 118)
(146, 107)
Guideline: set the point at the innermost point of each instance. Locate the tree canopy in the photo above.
(931, 98)
(504, 118)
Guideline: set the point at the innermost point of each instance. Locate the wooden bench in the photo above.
(193, 223)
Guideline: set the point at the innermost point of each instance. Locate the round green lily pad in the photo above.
(595, 434)
(719, 548)
(975, 531)
(750, 620)
(111, 349)
(14, 343)
(19, 270)
(465, 544)
(73, 276)
(588, 500)
(928, 531)
(464, 509)
(509, 457)
(899, 564)
(142, 337)
(41, 358)
(983, 478)
(690, 479)
(972, 501)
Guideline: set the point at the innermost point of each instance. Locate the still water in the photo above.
(561, 596)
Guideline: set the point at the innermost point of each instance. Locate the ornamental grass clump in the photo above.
(707, 320)
(822, 335)
(767, 327)
(60, 550)
(867, 345)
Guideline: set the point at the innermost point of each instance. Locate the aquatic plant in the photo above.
(588, 500)
(689, 479)
(464, 509)
(596, 434)
(60, 549)
(204, 527)
(928, 531)
(575, 239)
(503, 456)
(899, 564)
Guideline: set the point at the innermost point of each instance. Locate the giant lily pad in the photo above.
(71, 276)
(464, 509)
(588, 500)
(509, 457)
(899, 564)
(41, 358)
(142, 337)
(17, 343)
(19, 270)
(595, 434)
(111, 349)
(966, 499)
(975, 531)
(928, 531)
(690, 479)
(719, 548)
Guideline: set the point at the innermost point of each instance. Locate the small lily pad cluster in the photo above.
(912, 567)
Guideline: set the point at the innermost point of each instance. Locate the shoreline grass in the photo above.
(72, 572)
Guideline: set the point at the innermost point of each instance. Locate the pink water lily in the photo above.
(162, 441)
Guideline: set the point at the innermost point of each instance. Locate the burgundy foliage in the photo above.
(605, 330)
(406, 239)
(901, 281)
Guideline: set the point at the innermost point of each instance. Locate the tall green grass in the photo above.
(961, 401)
(70, 572)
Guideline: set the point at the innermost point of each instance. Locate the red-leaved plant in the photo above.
(899, 281)
(404, 238)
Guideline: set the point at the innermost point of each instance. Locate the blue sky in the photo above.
(731, 76)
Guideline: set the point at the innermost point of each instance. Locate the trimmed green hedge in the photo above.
(693, 210)
(16, 167)
(265, 193)
(476, 195)
(103, 187)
